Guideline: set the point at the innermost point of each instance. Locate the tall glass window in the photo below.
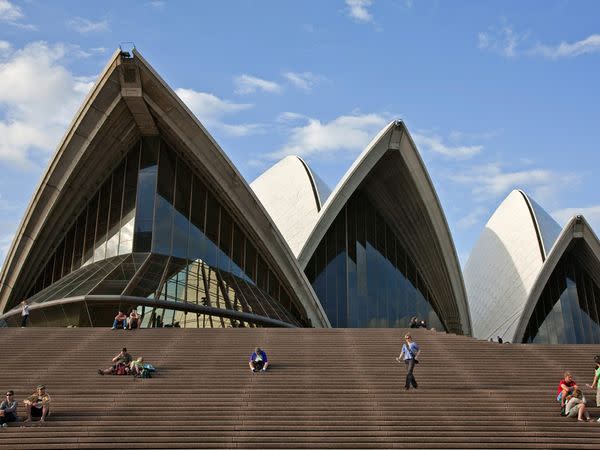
(363, 276)
(567, 310)
(153, 202)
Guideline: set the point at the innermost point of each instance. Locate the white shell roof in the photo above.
(504, 265)
(576, 229)
(292, 195)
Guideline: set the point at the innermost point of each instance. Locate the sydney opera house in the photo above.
(140, 208)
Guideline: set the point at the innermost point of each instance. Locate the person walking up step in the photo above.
(410, 352)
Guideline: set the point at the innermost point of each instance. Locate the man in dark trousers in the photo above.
(410, 352)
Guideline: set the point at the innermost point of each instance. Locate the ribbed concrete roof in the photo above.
(577, 236)
(504, 264)
(121, 106)
(293, 196)
(391, 171)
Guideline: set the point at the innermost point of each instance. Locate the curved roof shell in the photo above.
(392, 173)
(504, 264)
(130, 99)
(293, 195)
(577, 236)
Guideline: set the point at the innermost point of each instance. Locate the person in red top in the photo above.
(566, 387)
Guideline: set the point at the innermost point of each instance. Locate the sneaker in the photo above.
(4, 425)
(264, 370)
(598, 419)
(100, 372)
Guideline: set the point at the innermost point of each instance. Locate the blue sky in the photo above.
(497, 95)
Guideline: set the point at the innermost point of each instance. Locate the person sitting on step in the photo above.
(576, 406)
(258, 360)
(136, 367)
(8, 409)
(120, 364)
(566, 387)
(121, 317)
(38, 404)
(133, 320)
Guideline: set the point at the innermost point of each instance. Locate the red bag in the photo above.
(121, 369)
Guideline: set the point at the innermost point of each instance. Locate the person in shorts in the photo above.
(38, 404)
(121, 360)
(258, 360)
(8, 409)
(566, 386)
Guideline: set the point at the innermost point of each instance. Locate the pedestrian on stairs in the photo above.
(410, 352)
(24, 313)
(596, 383)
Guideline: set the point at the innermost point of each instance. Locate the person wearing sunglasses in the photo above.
(8, 409)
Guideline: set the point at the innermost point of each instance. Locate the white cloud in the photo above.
(472, 218)
(248, 84)
(436, 145)
(38, 98)
(5, 47)
(503, 40)
(286, 117)
(492, 181)
(211, 110)
(507, 42)
(591, 44)
(591, 213)
(83, 25)
(9, 12)
(12, 14)
(343, 134)
(305, 80)
(158, 4)
(358, 10)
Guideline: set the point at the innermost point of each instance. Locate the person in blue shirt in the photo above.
(258, 360)
(410, 352)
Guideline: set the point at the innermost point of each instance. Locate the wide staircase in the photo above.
(325, 389)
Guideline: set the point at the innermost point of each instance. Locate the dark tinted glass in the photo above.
(146, 190)
(114, 215)
(103, 211)
(567, 310)
(90, 230)
(363, 276)
(181, 222)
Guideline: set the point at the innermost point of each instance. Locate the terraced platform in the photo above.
(326, 389)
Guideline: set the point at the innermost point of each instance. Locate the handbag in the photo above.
(412, 355)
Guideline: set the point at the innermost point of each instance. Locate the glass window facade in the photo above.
(154, 203)
(363, 276)
(170, 279)
(568, 311)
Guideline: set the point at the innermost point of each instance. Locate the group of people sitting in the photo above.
(37, 405)
(129, 321)
(572, 401)
(416, 323)
(124, 364)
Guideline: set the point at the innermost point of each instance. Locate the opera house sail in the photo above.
(377, 250)
(140, 208)
(529, 281)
